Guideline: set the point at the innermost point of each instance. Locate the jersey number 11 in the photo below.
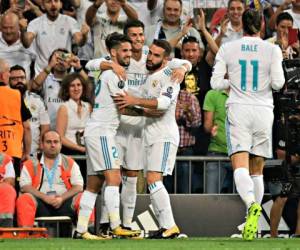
(254, 64)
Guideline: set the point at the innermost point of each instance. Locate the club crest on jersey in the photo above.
(121, 84)
(170, 90)
(154, 83)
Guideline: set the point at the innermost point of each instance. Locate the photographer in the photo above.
(284, 23)
(279, 196)
(284, 37)
(49, 79)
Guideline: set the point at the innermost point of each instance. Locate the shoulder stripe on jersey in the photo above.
(167, 71)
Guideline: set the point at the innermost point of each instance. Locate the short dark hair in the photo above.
(65, 85)
(115, 39)
(133, 24)
(180, 1)
(164, 45)
(17, 67)
(230, 1)
(189, 39)
(284, 16)
(57, 50)
(251, 21)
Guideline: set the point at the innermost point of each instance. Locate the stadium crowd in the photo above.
(69, 68)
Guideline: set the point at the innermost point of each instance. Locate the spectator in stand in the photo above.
(214, 124)
(197, 83)
(86, 52)
(171, 28)
(49, 80)
(294, 12)
(11, 47)
(230, 29)
(284, 22)
(29, 10)
(7, 191)
(51, 31)
(50, 186)
(188, 117)
(14, 121)
(73, 114)
(108, 22)
(39, 122)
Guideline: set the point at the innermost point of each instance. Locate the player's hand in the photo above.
(214, 130)
(124, 100)
(178, 75)
(119, 70)
(153, 113)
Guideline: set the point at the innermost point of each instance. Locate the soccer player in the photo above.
(160, 134)
(129, 134)
(102, 154)
(253, 67)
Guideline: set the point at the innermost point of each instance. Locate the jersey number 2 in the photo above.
(254, 64)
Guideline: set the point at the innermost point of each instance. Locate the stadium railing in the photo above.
(202, 163)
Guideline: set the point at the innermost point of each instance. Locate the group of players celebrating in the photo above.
(133, 124)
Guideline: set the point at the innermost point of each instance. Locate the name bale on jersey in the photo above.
(249, 47)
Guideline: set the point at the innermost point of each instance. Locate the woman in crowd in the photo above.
(72, 115)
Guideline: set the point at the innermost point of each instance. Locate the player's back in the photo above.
(254, 68)
(105, 118)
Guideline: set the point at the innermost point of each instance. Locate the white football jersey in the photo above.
(50, 91)
(163, 129)
(105, 117)
(136, 74)
(253, 66)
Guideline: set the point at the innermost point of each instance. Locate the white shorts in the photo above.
(249, 128)
(161, 157)
(101, 154)
(131, 151)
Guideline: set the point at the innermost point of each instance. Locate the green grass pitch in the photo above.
(124, 244)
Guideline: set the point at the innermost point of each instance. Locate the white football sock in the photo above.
(259, 188)
(112, 201)
(244, 185)
(128, 199)
(104, 212)
(161, 200)
(86, 206)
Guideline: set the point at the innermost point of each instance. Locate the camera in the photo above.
(287, 104)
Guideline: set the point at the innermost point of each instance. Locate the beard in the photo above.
(122, 62)
(21, 87)
(153, 67)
